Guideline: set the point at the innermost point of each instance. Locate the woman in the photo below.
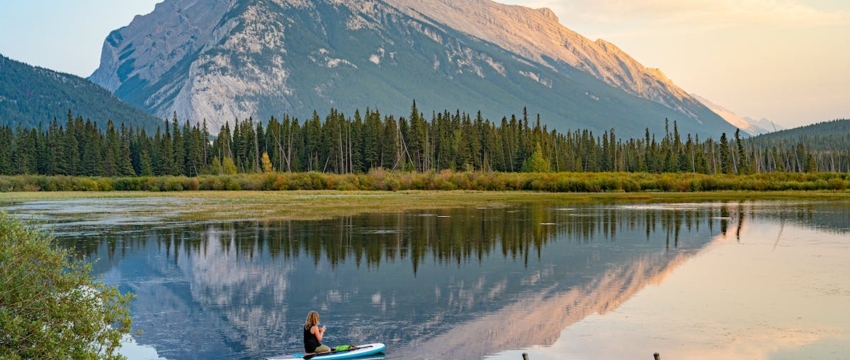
(313, 335)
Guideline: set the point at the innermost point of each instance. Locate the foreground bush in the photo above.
(50, 308)
(380, 180)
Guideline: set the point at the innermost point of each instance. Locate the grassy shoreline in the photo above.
(313, 205)
(379, 180)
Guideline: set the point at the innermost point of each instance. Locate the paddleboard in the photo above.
(362, 352)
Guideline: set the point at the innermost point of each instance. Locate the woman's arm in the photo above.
(319, 332)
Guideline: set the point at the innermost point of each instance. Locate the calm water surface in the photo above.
(748, 280)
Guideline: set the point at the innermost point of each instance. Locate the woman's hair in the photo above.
(312, 320)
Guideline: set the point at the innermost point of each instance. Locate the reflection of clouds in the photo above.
(539, 319)
(132, 350)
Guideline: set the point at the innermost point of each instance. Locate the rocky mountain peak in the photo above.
(548, 13)
(157, 41)
(220, 60)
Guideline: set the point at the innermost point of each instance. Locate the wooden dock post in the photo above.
(524, 356)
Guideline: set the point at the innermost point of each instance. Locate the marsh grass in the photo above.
(198, 206)
(379, 180)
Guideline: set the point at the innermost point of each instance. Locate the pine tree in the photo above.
(110, 154)
(743, 163)
(166, 146)
(71, 154)
(6, 138)
(125, 164)
(20, 152)
(91, 155)
(725, 155)
(390, 153)
(178, 148)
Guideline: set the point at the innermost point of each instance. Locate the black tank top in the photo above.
(310, 342)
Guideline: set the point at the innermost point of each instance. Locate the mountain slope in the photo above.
(222, 60)
(748, 125)
(32, 95)
(824, 136)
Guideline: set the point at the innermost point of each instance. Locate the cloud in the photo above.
(703, 13)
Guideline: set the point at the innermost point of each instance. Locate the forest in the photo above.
(338, 144)
(32, 95)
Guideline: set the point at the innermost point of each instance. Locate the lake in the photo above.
(708, 280)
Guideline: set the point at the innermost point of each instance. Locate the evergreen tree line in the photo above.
(342, 145)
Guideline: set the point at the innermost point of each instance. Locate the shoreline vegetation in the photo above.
(51, 305)
(446, 180)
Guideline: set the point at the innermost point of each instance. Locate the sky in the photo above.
(784, 60)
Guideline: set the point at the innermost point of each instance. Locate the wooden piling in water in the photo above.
(524, 356)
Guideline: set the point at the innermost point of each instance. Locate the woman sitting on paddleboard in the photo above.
(313, 335)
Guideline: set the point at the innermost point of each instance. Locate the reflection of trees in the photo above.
(454, 235)
(449, 236)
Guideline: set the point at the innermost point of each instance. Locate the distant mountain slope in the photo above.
(764, 123)
(824, 136)
(32, 95)
(222, 60)
(748, 125)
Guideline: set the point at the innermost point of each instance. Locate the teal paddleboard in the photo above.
(361, 352)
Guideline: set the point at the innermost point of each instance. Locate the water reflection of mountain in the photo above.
(512, 277)
(538, 319)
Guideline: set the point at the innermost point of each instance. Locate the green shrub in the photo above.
(212, 183)
(127, 184)
(837, 184)
(104, 185)
(50, 306)
(231, 184)
(172, 184)
(85, 184)
(191, 184)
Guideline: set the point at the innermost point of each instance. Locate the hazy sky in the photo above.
(786, 60)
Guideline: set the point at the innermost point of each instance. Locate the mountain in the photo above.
(222, 60)
(763, 123)
(824, 136)
(748, 125)
(33, 95)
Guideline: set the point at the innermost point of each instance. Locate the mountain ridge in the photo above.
(748, 125)
(31, 95)
(268, 57)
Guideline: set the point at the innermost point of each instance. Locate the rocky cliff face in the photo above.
(226, 59)
(153, 44)
(537, 35)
